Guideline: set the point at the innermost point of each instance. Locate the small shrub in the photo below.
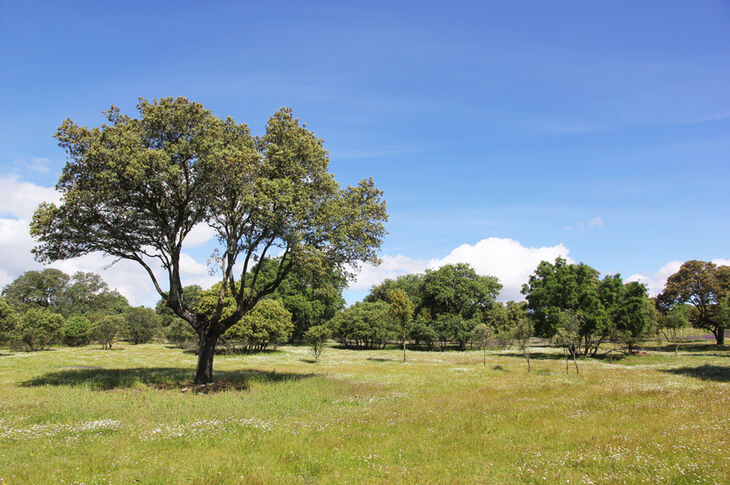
(317, 337)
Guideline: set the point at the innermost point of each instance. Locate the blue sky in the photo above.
(598, 130)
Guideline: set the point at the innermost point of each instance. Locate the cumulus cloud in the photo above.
(504, 258)
(17, 204)
(20, 199)
(199, 235)
(655, 282)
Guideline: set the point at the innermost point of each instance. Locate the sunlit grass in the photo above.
(94, 416)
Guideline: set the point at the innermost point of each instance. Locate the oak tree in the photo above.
(134, 188)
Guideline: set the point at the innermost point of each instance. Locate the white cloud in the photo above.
(20, 199)
(391, 267)
(655, 282)
(199, 235)
(18, 202)
(504, 258)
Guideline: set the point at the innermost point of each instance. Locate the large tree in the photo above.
(559, 287)
(703, 285)
(134, 188)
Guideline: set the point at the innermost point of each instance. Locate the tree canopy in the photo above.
(703, 285)
(134, 188)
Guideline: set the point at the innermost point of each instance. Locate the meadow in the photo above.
(129, 415)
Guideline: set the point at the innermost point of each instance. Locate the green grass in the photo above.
(129, 415)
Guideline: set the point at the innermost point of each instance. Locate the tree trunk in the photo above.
(720, 336)
(404, 346)
(485, 355)
(527, 356)
(206, 352)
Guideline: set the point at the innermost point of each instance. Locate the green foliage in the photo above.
(142, 324)
(631, 321)
(38, 328)
(312, 297)
(365, 325)
(558, 287)
(80, 294)
(105, 329)
(703, 285)
(9, 320)
(421, 330)
(134, 188)
(317, 336)
(75, 331)
(268, 324)
(457, 290)
(410, 283)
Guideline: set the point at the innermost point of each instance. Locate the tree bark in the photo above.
(206, 352)
(720, 336)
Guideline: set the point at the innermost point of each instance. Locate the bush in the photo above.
(142, 324)
(269, 323)
(75, 331)
(317, 337)
(105, 329)
(38, 329)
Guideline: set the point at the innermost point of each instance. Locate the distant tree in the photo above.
(134, 188)
(317, 337)
(674, 326)
(567, 335)
(703, 285)
(106, 329)
(457, 289)
(38, 289)
(9, 320)
(482, 335)
(401, 309)
(559, 287)
(142, 324)
(421, 330)
(450, 327)
(75, 330)
(38, 328)
(365, 325)
(632, 318)
(521, 334)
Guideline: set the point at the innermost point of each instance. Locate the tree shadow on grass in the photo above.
(382, 359)
(707, 372)
(159, 378)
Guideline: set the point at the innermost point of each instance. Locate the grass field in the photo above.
(127, 416)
